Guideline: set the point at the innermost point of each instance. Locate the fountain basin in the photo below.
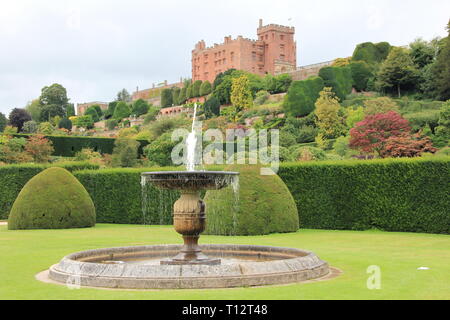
(191, 180)
(140, 268)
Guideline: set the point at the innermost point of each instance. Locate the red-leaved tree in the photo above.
(371, 134)
(407, 146)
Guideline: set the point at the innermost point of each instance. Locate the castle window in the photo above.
(282, 47)
(232, 56)
(282, 57)
(253, 55)
(267, 37)
(281, 37)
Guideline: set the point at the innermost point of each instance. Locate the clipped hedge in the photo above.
(68, 146)
(408, 195)
(14, 177)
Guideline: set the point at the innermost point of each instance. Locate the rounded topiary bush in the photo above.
(53, 199)
(264, 205)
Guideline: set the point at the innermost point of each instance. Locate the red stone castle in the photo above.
(274, 52)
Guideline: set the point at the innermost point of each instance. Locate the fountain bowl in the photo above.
(191, 180)
(139, 268)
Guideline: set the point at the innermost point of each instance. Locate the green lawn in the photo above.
(25, 253)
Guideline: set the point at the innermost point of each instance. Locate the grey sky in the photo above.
(95, 48)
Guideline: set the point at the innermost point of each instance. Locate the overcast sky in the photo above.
(94, 48)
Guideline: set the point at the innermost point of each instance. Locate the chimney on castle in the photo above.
(260, 23)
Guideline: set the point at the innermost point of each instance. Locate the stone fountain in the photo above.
(190, 265)
(189, 216)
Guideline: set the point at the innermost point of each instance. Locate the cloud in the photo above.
(96, 48)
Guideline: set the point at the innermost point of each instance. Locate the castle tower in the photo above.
(280, 48)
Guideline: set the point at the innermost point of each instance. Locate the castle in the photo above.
(274, 52)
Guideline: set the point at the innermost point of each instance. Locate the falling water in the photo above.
(191, 144)
(157, 203)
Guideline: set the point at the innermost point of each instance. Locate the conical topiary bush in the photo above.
(53, 199)
(264, 205)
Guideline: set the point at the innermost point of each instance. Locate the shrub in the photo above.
(65, 124)
(166, 98)
(302, 95)
(380, 105)
(308, 154)
(83, 122)
(205, 88)
(53, 199)
(93, 112)
(402, 195)
(30, 127)
(212, 108)
(261, 97)
(3, 122)
(111, 124)
(307, 134)
(125, 153)
(264, 206)
(14, 177)
(139, 108)
(39, 148)
(407, 146)
(18, 117)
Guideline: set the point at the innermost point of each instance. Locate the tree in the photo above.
(125, 153)
(123, 95)
(111, 108)
(241, 96)
(166, 98)
(3, 122)
(70, 110)
(302, 95)
(212, 108)
(370, 135)
(18, 117)
(361, 73)
(441, 69)
(397, 71)
(206, 88)
(140, 107)
(423, 52)
(121, 111)
(380, 105)
(371, 53)
(182, 96)
(54, 101)
(329, 116)
(65, 123)
(196, 89)
(339, 79)
(34, 108)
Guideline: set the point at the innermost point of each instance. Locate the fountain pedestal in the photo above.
(189, 212)
(189, 219)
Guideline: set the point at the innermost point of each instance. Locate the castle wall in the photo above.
(275, 50)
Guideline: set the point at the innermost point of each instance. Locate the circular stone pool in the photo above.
(140, 267)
